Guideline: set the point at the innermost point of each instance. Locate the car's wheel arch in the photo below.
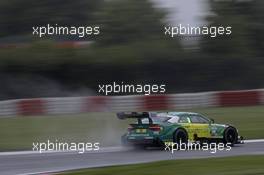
(180, 128)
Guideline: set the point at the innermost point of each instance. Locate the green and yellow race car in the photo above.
(157, 128)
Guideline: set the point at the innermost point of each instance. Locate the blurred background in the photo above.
(131, 47)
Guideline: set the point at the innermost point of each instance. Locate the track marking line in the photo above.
(254, 141)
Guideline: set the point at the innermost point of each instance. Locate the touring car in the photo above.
(157, 128)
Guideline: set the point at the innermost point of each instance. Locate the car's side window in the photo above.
(194, 119)
(198, 119)
(184, 119)
(203, 120)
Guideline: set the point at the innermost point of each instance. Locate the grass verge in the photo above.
(19, 133)
(242, 165)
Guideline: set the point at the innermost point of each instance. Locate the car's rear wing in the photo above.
(138, 115)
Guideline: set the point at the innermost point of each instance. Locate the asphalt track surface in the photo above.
(35, 163)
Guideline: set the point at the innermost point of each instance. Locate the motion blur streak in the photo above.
(32, 67)
(75, 105)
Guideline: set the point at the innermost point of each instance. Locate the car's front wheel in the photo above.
(230, 136)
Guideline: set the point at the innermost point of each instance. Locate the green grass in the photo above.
(243, 165)
(20, 132)
(248, 120)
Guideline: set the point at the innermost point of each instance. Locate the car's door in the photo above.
(185, 121)
(199, 126)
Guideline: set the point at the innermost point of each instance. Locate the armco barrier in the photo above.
(193, 100)
(239, 98)
(125, 103)
(31, 107)
(8, 108)
(155, 102)
(262, 96)
(96, 104)
(68, 105)
(74, 105)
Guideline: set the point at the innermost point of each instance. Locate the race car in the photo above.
(157, 128)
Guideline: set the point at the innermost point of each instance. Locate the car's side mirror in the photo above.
(212, 120)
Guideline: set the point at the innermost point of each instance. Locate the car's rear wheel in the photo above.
(180, 136)
(230, 136)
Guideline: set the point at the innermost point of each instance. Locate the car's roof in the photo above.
(173, 113)
(182, 113)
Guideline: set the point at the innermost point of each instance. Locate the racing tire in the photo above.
(180, 136)
(230, 136)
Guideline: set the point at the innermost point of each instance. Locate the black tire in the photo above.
(180, 136)
(230, 136)
(159, 143)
